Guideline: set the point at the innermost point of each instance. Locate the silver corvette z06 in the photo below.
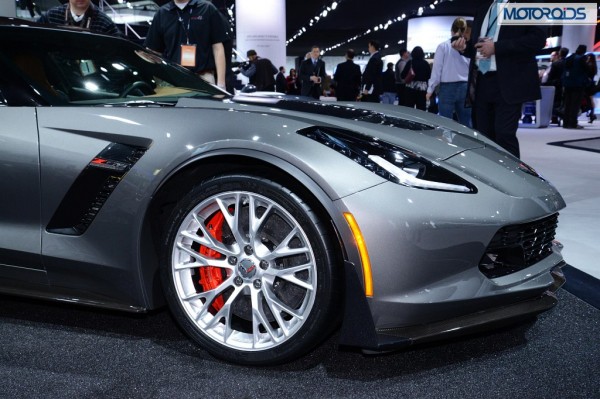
(264, 222)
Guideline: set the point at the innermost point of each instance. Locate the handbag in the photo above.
(410, 75)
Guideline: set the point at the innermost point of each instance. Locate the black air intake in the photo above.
(516, 247)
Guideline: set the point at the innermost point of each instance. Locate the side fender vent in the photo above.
(92, 188)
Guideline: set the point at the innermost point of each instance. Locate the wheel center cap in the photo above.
(247, 269)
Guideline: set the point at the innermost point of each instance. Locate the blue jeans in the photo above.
(388, 97)
(451, 99)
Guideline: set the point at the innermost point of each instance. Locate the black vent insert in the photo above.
(516, 247)
(93, 187)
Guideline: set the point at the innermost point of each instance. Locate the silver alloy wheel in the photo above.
(259, 280)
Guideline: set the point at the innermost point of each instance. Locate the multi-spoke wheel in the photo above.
(248, 270)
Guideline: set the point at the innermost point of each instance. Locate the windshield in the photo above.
(78, 68)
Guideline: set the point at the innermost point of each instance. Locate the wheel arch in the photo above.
(260, 164)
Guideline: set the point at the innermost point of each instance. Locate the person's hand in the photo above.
(486, 48)
(459, 44)
(315, 79)
(428, 96)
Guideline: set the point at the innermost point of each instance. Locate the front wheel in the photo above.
(248, 270)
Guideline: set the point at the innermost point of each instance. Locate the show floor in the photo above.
(50, 350)
(570, 159)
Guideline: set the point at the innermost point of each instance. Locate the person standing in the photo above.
(31, 7)
(546, 74)
(230, 78)
(504, 75)
(260, 72)
(388, 85)
(591, 88)
(312, 74)
(555, 79)
(81, 13)
(574, 81)
(416, 89)
(293, 86)
(347, 78)
(400, 85)
(451, 72)
(191, 33)
(280, 81)
(372, 82)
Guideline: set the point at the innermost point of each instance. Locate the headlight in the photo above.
(389, 161)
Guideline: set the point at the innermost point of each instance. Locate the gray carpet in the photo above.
(56, 351)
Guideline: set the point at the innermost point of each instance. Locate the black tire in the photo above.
(264, 304)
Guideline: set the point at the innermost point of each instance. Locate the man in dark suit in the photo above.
(555, 79)
(503, 73)
(312, 74)
(280, 81)
(372, 81)
(347, 79)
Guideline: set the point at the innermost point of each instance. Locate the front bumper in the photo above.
(386, 339)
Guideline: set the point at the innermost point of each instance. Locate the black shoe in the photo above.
(573, 127)
(592, 118)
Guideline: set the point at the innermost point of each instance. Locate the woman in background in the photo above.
(416, 90)
(293, 84)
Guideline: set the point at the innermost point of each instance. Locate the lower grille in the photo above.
(516, 247)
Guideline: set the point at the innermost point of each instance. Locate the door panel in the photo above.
(20, 244)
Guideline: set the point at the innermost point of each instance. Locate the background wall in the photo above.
(8, 8)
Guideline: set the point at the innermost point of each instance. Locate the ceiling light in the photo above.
(334, 5)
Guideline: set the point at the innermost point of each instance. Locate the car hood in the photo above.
(461, 149)
(426, 134)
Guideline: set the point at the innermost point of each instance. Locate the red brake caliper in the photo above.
(210, 276)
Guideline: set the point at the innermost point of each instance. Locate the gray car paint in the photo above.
(424, 245)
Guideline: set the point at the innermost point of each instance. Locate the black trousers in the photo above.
(493, 116)
(572, 102)
(400, 88)
(415, 98)
(370, 98)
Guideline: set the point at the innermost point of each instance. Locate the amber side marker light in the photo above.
(364, 254)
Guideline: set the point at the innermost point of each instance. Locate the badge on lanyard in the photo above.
(188, 55)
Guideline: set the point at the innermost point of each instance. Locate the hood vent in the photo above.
(351, 113)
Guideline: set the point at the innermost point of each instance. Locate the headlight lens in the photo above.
(389, 161)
